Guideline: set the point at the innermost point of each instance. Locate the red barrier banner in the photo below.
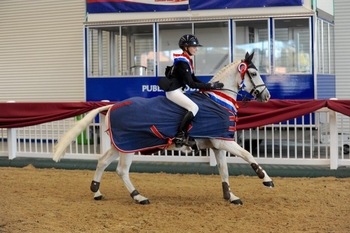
(250, 115)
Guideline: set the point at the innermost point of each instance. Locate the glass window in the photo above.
(325, 46)
(319, 47)
(121, 51)
(252, 36)
(209, 59)
(169, 36)
(98, 52)
(292, 53)
(215, 53)
(331, 49)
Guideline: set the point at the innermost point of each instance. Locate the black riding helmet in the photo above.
(188, 40)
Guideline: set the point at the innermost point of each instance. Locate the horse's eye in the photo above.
(253, 73)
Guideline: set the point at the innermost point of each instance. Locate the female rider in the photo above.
(180, 76)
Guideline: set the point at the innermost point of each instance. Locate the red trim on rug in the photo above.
(232, 128)
(232, 118)
(156, 132)
(121, 105)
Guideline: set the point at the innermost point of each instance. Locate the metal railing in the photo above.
(319, 138)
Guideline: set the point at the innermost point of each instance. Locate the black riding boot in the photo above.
(180, 137)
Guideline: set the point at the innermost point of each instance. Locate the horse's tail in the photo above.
(70, 135)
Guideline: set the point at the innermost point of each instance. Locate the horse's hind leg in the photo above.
(123, 169)
(220, 156)
(106, 159)
(235, 149)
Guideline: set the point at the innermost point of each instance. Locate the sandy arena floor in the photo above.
(52, 200)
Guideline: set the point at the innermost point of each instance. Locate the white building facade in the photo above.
(77, 51)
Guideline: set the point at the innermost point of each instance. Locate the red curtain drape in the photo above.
(250, 114)
(14, 115)
(255, 114)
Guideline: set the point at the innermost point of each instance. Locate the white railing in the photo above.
(319, 138)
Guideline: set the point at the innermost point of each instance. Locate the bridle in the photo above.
(243, 69)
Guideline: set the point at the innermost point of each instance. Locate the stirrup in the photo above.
(180, 139)
(179, 142)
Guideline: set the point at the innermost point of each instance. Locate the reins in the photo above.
(243, 69)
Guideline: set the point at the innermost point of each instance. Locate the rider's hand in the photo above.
(217, 85)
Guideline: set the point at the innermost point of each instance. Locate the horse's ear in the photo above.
(249, 57)
(246, 56)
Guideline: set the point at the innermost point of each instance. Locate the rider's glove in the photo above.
(217, 85)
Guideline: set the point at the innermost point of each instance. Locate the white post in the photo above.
(12, 143)
(333, 139)
(105, 142)
(11, 140)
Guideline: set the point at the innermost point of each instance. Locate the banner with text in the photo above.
(110, 6)
(114, 6)
(225, 4)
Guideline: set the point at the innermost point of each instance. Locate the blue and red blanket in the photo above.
(146, 124)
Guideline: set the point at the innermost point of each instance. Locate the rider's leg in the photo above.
(181, 135)
(182, 100)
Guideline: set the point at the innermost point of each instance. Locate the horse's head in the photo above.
(250, 79)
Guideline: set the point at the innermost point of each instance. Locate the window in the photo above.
(325, 47)
(215, 53)
(121, 51)
(209, 59)
(138, 50)
(169, 36)
(252, 36)
(292, 46)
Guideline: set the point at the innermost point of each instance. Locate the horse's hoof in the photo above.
(237, 202)
(95, 186)
(98, 198)
(145, 202)
(269, 184)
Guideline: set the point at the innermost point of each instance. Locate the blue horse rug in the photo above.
(150, 124)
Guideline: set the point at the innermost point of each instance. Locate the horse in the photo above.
(236, 76)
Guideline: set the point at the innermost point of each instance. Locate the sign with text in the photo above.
(110, 6)
(115, 6)
(224, 4)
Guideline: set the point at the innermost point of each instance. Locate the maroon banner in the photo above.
(251, 114)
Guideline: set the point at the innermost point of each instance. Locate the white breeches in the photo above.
(178, 97)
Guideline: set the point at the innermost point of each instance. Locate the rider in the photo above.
(182, 75)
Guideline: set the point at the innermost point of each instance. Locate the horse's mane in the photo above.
(224, 70)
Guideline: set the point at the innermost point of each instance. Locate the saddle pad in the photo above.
(145, 124)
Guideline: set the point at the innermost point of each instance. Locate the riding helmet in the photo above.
(188, 40)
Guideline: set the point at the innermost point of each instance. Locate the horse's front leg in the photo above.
(220, 156)
(123, 169)
(106, 159)
(235, 149)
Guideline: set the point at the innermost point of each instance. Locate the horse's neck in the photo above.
(228, 76)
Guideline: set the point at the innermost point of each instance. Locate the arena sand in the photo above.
(54, 200)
